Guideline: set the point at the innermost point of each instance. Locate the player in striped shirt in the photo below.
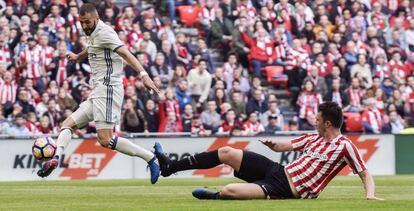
(325, 154)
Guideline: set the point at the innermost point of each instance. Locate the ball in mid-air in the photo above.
(44, 148)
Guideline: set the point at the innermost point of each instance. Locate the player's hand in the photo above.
(374, 198)
(149, 84)
(268, 143)
(72, 57)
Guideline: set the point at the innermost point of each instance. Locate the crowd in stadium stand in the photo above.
(225, 78)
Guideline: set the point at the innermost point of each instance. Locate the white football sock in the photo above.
(127, 147)
(63, 140)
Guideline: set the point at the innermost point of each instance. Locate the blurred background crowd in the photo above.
(239, 67)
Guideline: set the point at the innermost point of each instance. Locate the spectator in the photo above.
(59, 68)
(220, 96)
(238, 44)
(206, 16)
(169, 54)
(45, 127)
(197, 128)
(362, 71)
(210, 118)
(8, 90)
(243, 81)
(337, 95)
(23, 100)
(318, 81)
(272, 127)
(65, 101)
(381, 68)
(262, 52)
(308, 102)
(238, 104)
(162, 70)
(199, 81)
(181, 94)
(151, 116)
(41, 107)
(229, 67)
(133, 119)
(256, 103)
(178, 75)
(203, 51)
(221, 31)
(19, 128)
(273, 111)
(172, 124)
(55, 116)
(371, 117)
(146, 45)
(167, 105)
(335, 74)
(237, 130)
(229, 122)
(32, 64)
(355, 93)
(187, 118)
(252, 126)
(181, 49)
(394, 124)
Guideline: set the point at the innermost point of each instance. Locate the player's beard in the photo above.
(89, 32)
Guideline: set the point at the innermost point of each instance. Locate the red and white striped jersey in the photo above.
(355, 96)
(8, 92)
(292, 59)
(47, 54)
(320, 162)
(34, 62)
(209, 15)
(74, 24)
(5, 55)
(61, 71)
(373, 118)
(308, 103)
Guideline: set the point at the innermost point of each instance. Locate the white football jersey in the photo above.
(106, 65)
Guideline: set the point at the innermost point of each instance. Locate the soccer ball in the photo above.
(44, 148)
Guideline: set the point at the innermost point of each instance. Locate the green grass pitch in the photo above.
(343, 193)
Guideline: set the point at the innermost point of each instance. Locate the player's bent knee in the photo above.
(104, 140)
(226, 153)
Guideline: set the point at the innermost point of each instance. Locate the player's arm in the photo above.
(77, 57)
(369, 185)
(131, 60)
(278, 146)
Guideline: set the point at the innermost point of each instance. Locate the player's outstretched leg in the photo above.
(62, 142)
(232, 191)
(125, 146)
(204, 160)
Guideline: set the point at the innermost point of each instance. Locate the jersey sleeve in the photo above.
(353, 158)
(109, 39)
(299, 144)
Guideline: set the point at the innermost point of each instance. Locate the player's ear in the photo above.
(328, 124)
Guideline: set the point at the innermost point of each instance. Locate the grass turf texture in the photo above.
(175, 194)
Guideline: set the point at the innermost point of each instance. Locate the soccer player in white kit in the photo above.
(106, 53)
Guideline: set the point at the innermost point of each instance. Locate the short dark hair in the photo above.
(202, 60)
(332, 112)
(88, 8)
